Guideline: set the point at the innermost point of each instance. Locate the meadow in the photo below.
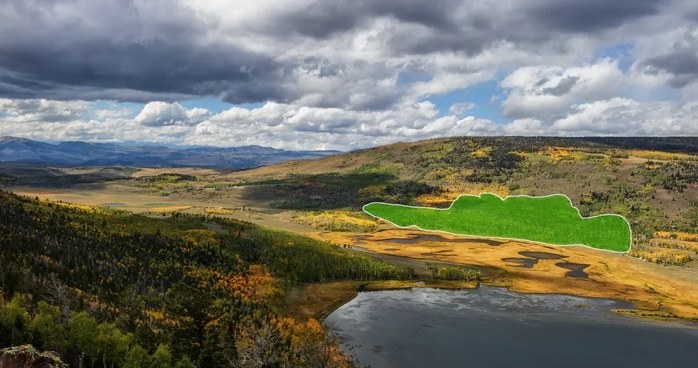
(550, 219)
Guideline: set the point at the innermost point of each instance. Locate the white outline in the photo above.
(497, 237)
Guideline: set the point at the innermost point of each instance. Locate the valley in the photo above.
(273, 250)
(322, 199)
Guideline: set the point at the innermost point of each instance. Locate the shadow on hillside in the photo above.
(334, 190)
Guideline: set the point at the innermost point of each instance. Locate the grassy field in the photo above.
(551, 219)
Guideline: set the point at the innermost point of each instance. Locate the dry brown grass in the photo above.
(675, 244)
(689, 237)
(661, 256)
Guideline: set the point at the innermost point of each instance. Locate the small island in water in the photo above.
(548, 219)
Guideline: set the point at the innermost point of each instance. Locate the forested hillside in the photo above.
(113, 289)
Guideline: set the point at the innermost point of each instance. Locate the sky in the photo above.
(335, 74)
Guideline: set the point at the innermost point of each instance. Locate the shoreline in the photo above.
(336, 301)
(498, 278)
(649, 287)
(319, 300)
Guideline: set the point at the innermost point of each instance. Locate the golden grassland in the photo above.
(336, 221)
(657, 290)
(687, 237)
(659, 155)
(661, 256)
(691, 246)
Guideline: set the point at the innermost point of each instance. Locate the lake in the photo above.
(493, 327)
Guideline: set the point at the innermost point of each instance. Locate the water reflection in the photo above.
(492, 327)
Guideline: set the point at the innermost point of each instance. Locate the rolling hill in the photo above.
(653, 182)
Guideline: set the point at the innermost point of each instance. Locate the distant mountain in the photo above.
(23, 150)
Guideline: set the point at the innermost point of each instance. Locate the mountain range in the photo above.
(21, 150)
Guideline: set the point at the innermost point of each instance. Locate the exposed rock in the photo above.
(26, 356)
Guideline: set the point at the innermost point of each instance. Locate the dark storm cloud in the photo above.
(563, 87)
(438, 25)
(44, 55)
(470, 27)
(154, 66)
(680, 62)
(326, 18)
(145, 50)
(682, 65)
(588, 15)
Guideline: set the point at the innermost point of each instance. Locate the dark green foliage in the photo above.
(334, 190)
(25, 174)
(301, 259)
(136, 357)
(692, 218)
(165, 178)
(666, 144)
(674, 176)
(626, 201)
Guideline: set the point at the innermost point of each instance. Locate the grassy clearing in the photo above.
(551, 219)
(337, 221)
(660, 155)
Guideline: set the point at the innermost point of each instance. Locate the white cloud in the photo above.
(24, 111)
(618, 116)
(292, 126)
(615, 117)
(527, 126)
(158, 113)
(460, 108)
(544, 92)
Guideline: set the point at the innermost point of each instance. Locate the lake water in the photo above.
(493, 327)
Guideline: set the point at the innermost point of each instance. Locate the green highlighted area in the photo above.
(550, 219)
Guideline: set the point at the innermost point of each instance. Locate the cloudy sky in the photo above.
(338, 74)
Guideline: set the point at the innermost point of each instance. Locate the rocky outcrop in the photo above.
(26, 356)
